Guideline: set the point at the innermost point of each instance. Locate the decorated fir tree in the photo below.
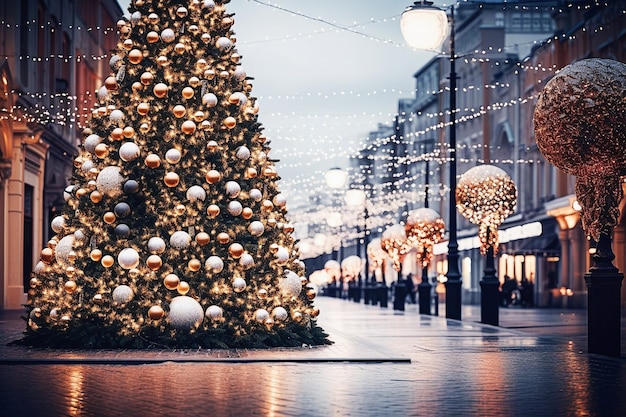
(174, 231)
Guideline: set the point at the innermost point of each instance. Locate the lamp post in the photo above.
(336, 179)
(425, 26)
(357, 198)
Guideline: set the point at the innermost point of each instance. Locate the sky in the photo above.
(326, 73)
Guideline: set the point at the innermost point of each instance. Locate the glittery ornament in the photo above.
(180, 240)
(290, 285)
(123, 294)
(185, 313)
(580, 127)
(109, 181)
(214, 313)
(214, 264)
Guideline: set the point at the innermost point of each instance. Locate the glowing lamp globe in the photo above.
(424, 26)
(336, 178)
(355, 198)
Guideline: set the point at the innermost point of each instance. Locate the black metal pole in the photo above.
(604, 282)
(489, 295)
(453, 283)
(423, 290)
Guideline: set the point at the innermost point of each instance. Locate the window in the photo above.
(499, 19)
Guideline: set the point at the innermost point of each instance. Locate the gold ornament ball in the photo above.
(107, 261)
(147, 78)
(315, 312)
(144, 128)
(181, 12)
(288, 228)
(201, 62)
(213, 176)
(171, 282)
(262, 294)
(179, 48)
(188, 127)
(81, 192)
(194, 29)
(171, 179)
(95, 196)
(46, 255)
(235, 250)
(274, 248)
(52, 243)
(297, 316)
(116, 134)
(311, 293)
(205, 124)
(194, 81)
(199, 116)
(152, 37)
(194, 265)
(127, 44)
(102, 150)
(137, 86)
(160, 90)
(223, 238)
(78, 162)
(188, 92)
(163, 61)
(224, 74)
(96, 255)
(180, 209)
(86, 132)
(70, 287)
(203, 238)
(109, 217)
(143, 108)
(111, 84)
(261, 138)
(211, 145)
(206, 37)
(154, 262)
(153, 161)
(155, 313)
(34, 282)
(270, 172)
(135, 56)
(183, 288)
(179, 111)
(128, 132)
(153, 18)
(271, 222)
(234, 99)
(230, 122)
(71, 256)
(246, 213)
(251, 172)
(267, 205)
(209, 74)
(213, 211)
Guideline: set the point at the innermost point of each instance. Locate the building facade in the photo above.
(53, 57)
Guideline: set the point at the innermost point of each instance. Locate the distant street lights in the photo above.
(426, 27)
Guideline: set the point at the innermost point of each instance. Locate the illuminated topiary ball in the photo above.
(424, 227)
(185, 313)
(486, 196)
(395, 243)
(333, 269)
(580, 127)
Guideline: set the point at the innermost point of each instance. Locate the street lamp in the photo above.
(358, 198)
(425, 26)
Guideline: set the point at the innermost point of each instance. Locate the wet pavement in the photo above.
(383, 363)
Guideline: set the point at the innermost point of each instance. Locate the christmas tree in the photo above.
(174, 232)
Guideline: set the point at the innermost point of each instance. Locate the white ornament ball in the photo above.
(86, 166)
(223, 44)
(256, 228)
(123, 294)
(135, 17)
(280, 200)
(79, 234)
(209, 99)
(282, 255)
(103, 93)
(116, 115)
(261, 157)
(168, 35)
(57, 224)
(261, 315)
(196, 193)
(40, 268)
(63, 249)
(214, 264)
(235, 208)
(173, 156)
(239, 74)
(55, 313)
(129, 151)
(185, 313)
(114, 62)
(67, 193)
(280, 313)
(246, 261)
(209, 4)
(180, 240)
(243, 153)
(214, 312)
(109, 181)
(239, 284)
(128, 258)
(256, 194)
(156, 245)
(232, 189)
(291, 285)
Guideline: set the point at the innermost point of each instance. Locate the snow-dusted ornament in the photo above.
(67, 193)
(63, 250)
(116, 116)
(243, 153)
(87, 165)
(239, 74)
(256, 194)
(239, 284)
(156, 245)
(208, 4)
(185, 313)
(214, 264)
(79, 235)
(115, 62)
(196, 193)
(209, 100)
(282, 255)
(261, 315)
(256, 228)
(129, 151)
(128, 258)
(235, 208)
(214, 313)
(280, 313)
(246, 261)
(123, 294)
(180, 240)
(57, 224)
(109, 181)
(173, 156)
(168, 35)
(91, 142)
(232, 189)
(290, 285)
(223, 44)
(280, 200)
